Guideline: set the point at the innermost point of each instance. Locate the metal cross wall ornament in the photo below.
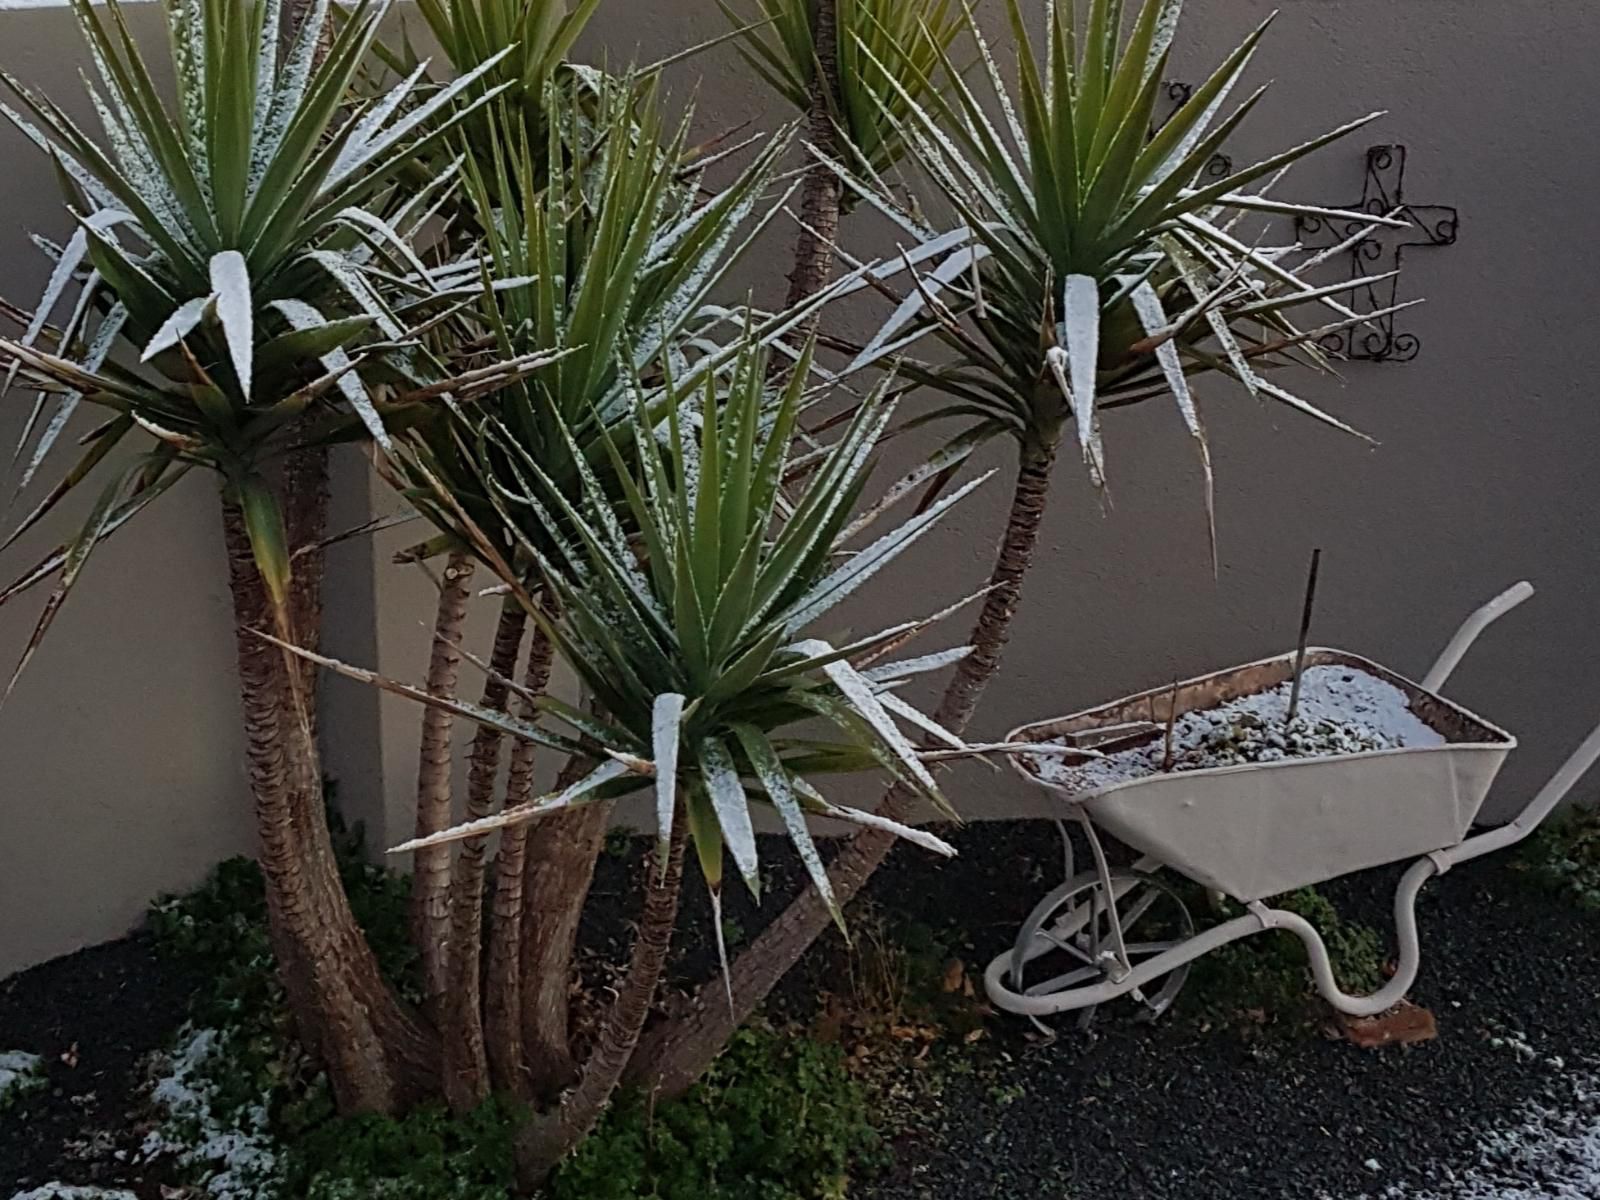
(1429, 225)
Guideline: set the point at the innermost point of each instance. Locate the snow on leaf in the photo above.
(519, 814)
(904, 668)
(858, 693)
(1081, 335)
(951, 269)
(230, 281)
(1153, 318)
(666, 720)
(301, 315)
(732, 807)
(176, 327)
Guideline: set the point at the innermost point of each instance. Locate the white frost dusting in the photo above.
(68, 1191)
(1552, 1153)
(1343, 710)
(19, 1072)
(236, 1155)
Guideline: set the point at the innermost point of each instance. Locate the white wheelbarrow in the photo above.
(1251, 831)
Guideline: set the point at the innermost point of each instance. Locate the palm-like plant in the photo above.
(886, 52)
(232, 241)
(1092, 266)
(224, 242)
(604, 269)
(693, 636)
(850, 66)
(604, 247)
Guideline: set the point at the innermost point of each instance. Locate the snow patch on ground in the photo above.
(234, 1154)
(1551, 1153)
(19, 1072)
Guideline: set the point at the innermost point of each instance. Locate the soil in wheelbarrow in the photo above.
(1224, 1099)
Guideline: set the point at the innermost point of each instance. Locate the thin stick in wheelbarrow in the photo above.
(1305, 632)
(1172, 723)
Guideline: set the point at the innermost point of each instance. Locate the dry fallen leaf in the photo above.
(955, 974)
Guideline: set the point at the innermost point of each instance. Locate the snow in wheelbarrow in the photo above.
(1280, 821)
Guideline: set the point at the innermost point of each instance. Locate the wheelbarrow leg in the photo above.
(1405, 899)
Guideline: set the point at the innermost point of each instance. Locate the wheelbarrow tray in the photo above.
(1261, 829)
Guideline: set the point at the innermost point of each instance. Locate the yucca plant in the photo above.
(232, 241)
(516, 49)
(884, 51)
(605, 247)
(224, 242)
(1092, 265)
(850, 66)
(694, 635)
(605, 269)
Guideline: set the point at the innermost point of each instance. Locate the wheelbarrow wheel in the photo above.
(1071, 940)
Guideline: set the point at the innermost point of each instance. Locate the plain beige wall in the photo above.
(121, 768)
(119, 756)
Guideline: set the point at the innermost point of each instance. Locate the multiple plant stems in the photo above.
(680, 1050)
(430, 868)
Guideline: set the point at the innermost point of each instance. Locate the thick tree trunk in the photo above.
(466, 1067)
(502, 999)
(378, 1057)
(679, 1050)
(563, 849)
(549, 1139)
(305, 521)
(820, 197)
(430, 869)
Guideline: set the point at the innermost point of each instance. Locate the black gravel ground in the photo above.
(1168, 1111)
(92, 1016)
(1163, 1111)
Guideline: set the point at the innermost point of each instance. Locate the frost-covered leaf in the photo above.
(176, 327)
(732, 807)
(230, 286)
(666, 735)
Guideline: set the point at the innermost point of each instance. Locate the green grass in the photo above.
(777, 1118)
(1563, 857)
(1265, 980)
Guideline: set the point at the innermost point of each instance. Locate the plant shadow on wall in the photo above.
(505, 286)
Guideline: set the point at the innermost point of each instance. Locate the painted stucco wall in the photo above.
(120, 768)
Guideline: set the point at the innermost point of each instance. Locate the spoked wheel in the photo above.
(1071, 940)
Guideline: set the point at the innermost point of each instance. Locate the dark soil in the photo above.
(1183, 1109)
(93, 1017)
(1172, 1110)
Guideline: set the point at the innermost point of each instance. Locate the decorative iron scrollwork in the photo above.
(1179, 93)
(1380, 251)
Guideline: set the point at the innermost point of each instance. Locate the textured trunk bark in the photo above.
(549, 1139)
(679, 1050)
(305, 521)
(378, 1057)
(430, 869)
(502, 998)
(821, 194)
(466, 1068)
(563, 849)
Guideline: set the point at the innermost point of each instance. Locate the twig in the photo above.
(1172, 723)
(1305, 631)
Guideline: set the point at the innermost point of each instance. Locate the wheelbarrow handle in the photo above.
(1450, 657)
